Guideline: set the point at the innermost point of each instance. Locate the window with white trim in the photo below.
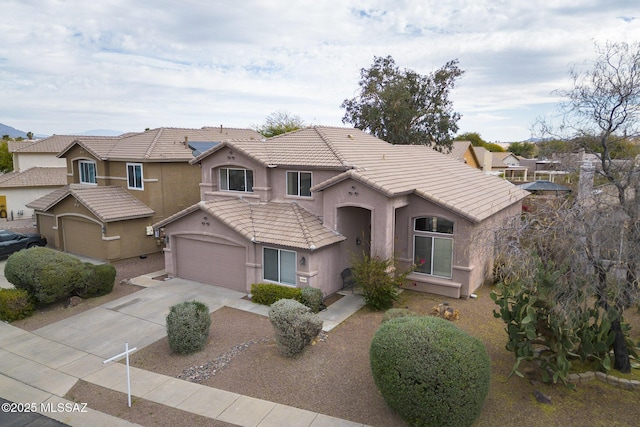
(87, 172)
(433, 246)
(279, 265)
(134, 176)
(236, 180)
(299, 184)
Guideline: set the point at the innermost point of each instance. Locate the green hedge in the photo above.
(188, 326)
(430, 371)
(268, 293)
(15, 304)
(98, 280)
(46, 274)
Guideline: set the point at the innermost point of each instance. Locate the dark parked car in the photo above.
(11, 241)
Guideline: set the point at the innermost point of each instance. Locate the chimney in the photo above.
(585, 182)
(487, 162)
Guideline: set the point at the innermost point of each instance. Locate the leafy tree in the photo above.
(477, 141)
(547, 148)
(6, 159)
(280, 122)
(404, 107)
(30, 135)
(524, 149)
(595, 239)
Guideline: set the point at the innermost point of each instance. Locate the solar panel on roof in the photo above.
(200, 147)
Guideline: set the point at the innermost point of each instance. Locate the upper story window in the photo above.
(134, 176)
(236, 180)
(433, 246)
(87, 172)
(299, 184)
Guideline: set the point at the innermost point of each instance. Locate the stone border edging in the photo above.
(607, 379)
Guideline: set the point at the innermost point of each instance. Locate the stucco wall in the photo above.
(24, 161)
(18, 197)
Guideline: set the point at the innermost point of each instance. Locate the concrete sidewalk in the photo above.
(42, 366)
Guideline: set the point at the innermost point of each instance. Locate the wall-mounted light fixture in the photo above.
(358, 241)
(303, 261)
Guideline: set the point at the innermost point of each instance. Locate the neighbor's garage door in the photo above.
(82, 238)
(213, 263)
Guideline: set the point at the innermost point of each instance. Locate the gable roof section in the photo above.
(107, 203)
(283, 224)
(395, 170)
(458, 148)
(35, 177)
(161, 144)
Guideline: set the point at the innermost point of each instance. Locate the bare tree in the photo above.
(592, 241)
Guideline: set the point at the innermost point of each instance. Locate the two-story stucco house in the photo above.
(297, 208)
(117, 187)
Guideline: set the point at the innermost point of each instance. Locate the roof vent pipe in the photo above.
(186, 141)
(220, 128)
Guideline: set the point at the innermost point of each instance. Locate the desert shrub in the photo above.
(98, 280)
(394, 313)
(268, 293)
(46, 274)
(294, 325)
(430, 371)
(312, 298)
(15, 304)
(379, 279)
(188, 325)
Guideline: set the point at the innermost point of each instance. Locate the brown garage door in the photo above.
(82, 238)
(213, 263)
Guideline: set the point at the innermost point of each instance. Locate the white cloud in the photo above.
(68, 66)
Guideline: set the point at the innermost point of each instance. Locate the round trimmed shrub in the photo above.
(46, 274)
(430, 371)
(312, 298)
(294, 324)
(188, 326)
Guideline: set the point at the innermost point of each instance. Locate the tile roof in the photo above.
(405, 169)
(285, 224)
(107, 203)
(35, 177)
(458, 149)
(54, 144)
(161, 144)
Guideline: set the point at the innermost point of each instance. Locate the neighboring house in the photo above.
(17, 189)
(37, 170)
(297, 208)
(41, 152)
(117, 187)
(463, 151)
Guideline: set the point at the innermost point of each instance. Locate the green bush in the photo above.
(294, 324)
(15, 304)
(98, 280)
(394, 313)
(430, 371)
(46, 274)
(312, 298)
(379, 280)
(268, 293)
(188, 326)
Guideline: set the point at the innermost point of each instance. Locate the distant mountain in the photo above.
(12, 132)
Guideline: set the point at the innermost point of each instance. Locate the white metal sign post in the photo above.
(118, 356)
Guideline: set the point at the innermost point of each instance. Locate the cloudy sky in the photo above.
(125, 65)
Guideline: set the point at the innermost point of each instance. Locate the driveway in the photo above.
(138, 318)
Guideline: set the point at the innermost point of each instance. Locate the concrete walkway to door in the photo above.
(42, 366)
